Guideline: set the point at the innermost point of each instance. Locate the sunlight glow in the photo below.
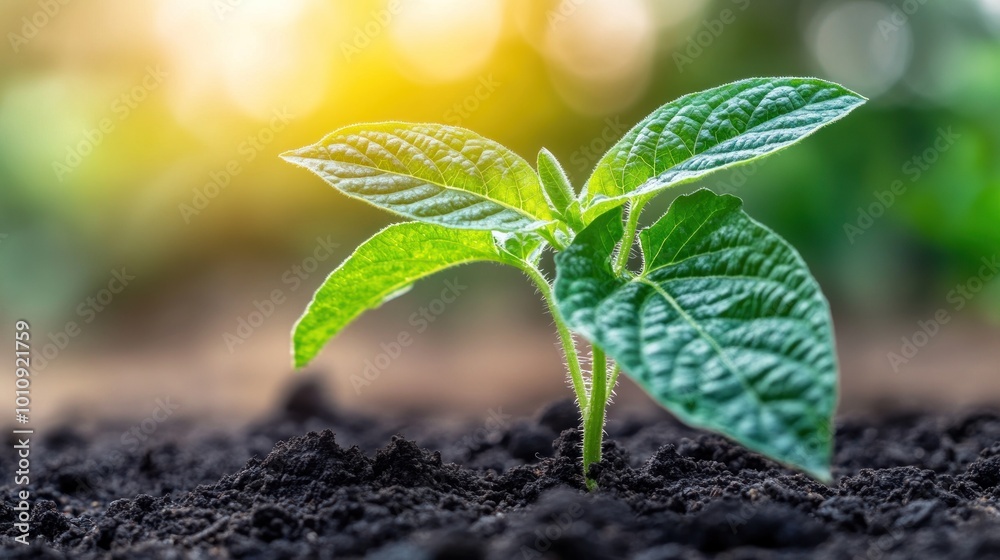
(445, 40)
(261, 55)
(601, 53)
(992, 10)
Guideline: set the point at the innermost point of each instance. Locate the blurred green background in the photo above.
(145, 135)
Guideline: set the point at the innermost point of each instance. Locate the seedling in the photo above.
(722, 323)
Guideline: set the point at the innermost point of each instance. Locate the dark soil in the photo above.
(311, 483)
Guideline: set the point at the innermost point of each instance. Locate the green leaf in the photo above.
(725, 327)
(380, 269)
(704, 132)
(433, 173)
(519, 246)
(557, 188)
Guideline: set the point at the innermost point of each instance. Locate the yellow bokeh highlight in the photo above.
(256, 56)
(601, 53)
(444, 40)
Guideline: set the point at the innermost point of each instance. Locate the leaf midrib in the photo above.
(440, 184)
(501, 154)
(707, 337)
(446, 187)
(694, 154)
(687, 241)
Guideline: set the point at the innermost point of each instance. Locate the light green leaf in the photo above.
(725, 327)
(519, 246)
(384, 267)
(429, 172)
(557, 188)
(704, 132)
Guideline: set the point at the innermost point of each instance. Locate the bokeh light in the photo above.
(600, 53)
(862, 45)
(443, 40)
(992, 9)
(570, 75)
(246, 57)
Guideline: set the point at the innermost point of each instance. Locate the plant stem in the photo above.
(565, 336)
(593, 427)
(613, 380)
(634, 210)
(551, 239)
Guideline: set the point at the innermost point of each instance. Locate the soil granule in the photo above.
(315, 483)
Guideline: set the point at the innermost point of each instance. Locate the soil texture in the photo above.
(313, 482)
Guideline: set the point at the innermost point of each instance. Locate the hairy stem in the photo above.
(634, 210)
(565, 336)
(551, 239)
(613, 380)
(593, 427)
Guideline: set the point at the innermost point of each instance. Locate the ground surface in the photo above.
(312, 483)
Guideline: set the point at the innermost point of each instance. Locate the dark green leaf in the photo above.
(712, 130)
(725, 327)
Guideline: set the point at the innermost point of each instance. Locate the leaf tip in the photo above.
(300, 356)
(858, 98)
(302, 353)
(821, 474)
(295, 157)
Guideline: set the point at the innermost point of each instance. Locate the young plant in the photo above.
(722, 324)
